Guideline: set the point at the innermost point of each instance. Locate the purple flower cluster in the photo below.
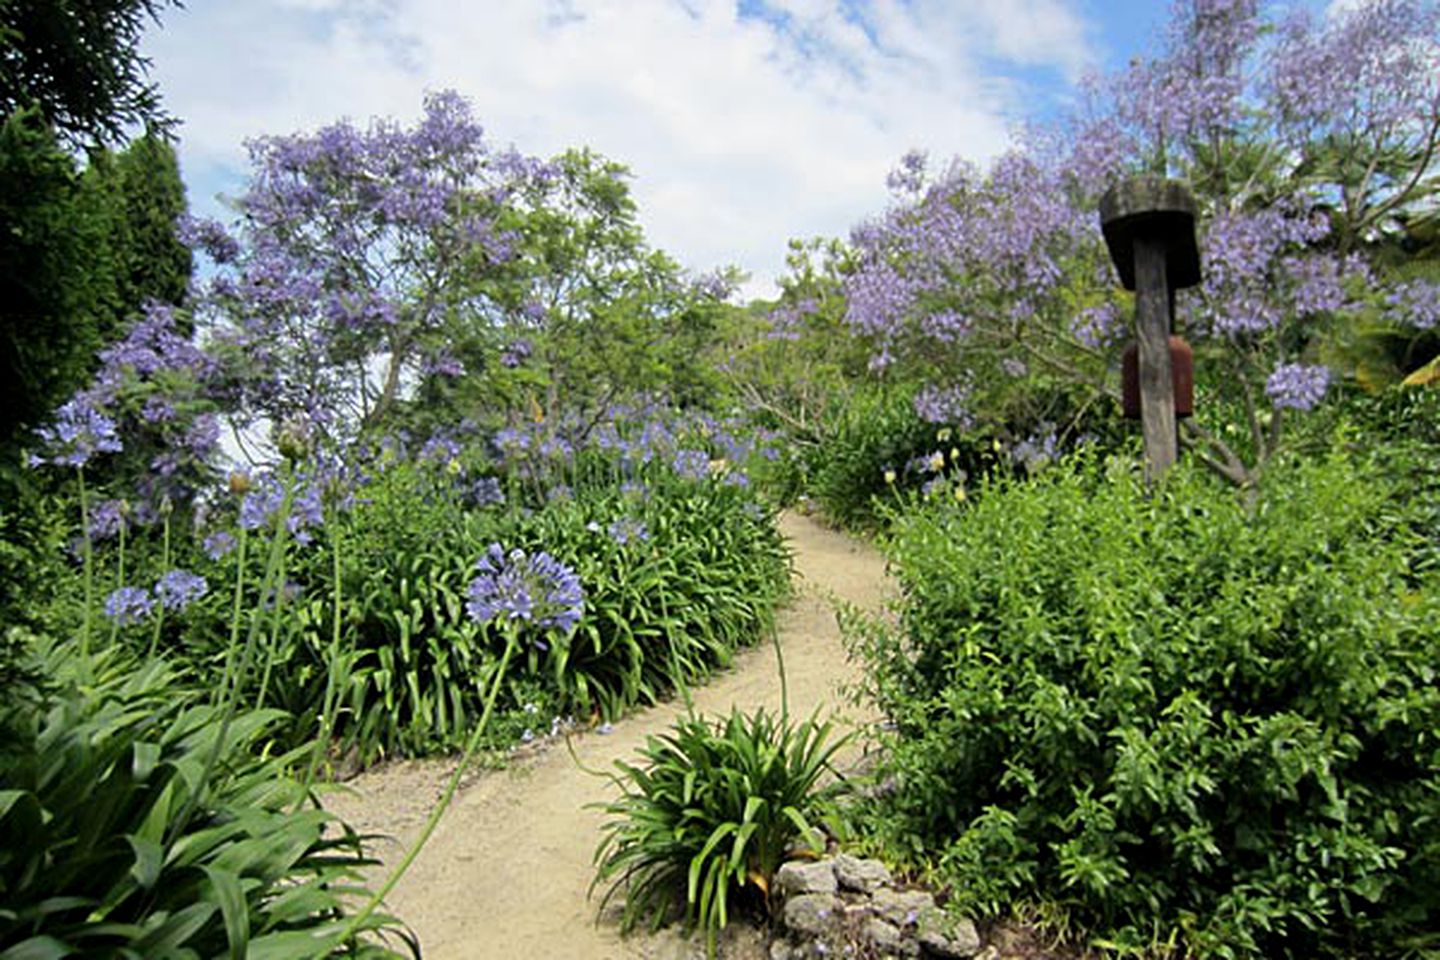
(627, 530)
(177, 589)
(525, 588)
(261, 506)
(691, 464)
(1297, 386)
(78, 433)
(1037, 449)
(1415, 304)
(128, 605)
(515, 353)
(949, 405)
(486, 492)
(218, 544)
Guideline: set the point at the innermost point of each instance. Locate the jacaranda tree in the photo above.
(1310, 143)
(346, 277)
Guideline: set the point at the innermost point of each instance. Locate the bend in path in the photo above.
(506, 873)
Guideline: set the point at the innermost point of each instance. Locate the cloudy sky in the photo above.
(744, 123)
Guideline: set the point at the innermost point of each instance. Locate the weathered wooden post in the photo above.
(1149, 227)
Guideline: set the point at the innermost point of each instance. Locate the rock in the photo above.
(811, 914)
(902, 907)
(885, 938)
(866, 876)
(946, 936)
(798, 876)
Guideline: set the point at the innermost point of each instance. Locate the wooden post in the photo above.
(1149, 228)
(1157, 390)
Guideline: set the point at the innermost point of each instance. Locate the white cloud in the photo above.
(742, 131)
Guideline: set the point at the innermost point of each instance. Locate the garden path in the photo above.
(507, 870)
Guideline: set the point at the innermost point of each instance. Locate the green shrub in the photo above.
(713, 810)
(864, 458)
(1180, 717)
(128, 830)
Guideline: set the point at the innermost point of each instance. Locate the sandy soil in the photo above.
(507, 871)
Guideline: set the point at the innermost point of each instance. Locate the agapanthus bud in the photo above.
(293, 440)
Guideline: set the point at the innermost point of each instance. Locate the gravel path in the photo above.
(507, 871)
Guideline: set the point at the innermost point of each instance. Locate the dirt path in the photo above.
(507, 871)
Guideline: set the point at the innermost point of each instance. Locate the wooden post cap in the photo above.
(1155, 209)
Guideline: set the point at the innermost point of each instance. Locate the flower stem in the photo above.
(512, 641)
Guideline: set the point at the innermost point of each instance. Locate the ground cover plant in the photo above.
(1190, 722)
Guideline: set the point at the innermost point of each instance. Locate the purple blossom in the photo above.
(440, 449)
(1415, 304)
(714, 286)
(944, 405)
(909, 176)
(177, 589)
(1037, 449)
(486, 492)
(520, 587)
(218, 544)
(107, 519)
(691, 464)
(78, 432)
(515, 353)
(1099, 326)
(1297, 386)
(128, 605)
(1014, 367)
(442, 364)
(628, 530)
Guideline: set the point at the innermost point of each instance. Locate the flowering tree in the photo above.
(978, 279)
(343, 284)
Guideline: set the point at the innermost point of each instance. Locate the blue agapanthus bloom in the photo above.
(128, 605)
(78, 432)
(179, 588)
(532, 588)
(627, 530)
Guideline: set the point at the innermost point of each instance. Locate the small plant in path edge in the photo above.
(712, 810)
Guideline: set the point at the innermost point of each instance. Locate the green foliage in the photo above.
(135, 822)
(865, 458)
(1176, 715)
(79, 62)
(661, 610)
(713, 809)
(56, 283)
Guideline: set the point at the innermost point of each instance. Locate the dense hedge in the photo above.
(1183, 718)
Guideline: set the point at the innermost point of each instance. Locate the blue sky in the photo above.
(744, 124)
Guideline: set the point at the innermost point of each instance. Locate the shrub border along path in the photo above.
(507, 871)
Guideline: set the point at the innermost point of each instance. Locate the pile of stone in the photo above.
(846, 906)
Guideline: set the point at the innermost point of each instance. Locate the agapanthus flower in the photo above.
(486, 492)
(128, 605)
(1037, 449)
(107, 519)
(78, 432)
(526, 588)
(218, 544)
(691, 464)
(177, 589)
(1298, 386)
(628, 530)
